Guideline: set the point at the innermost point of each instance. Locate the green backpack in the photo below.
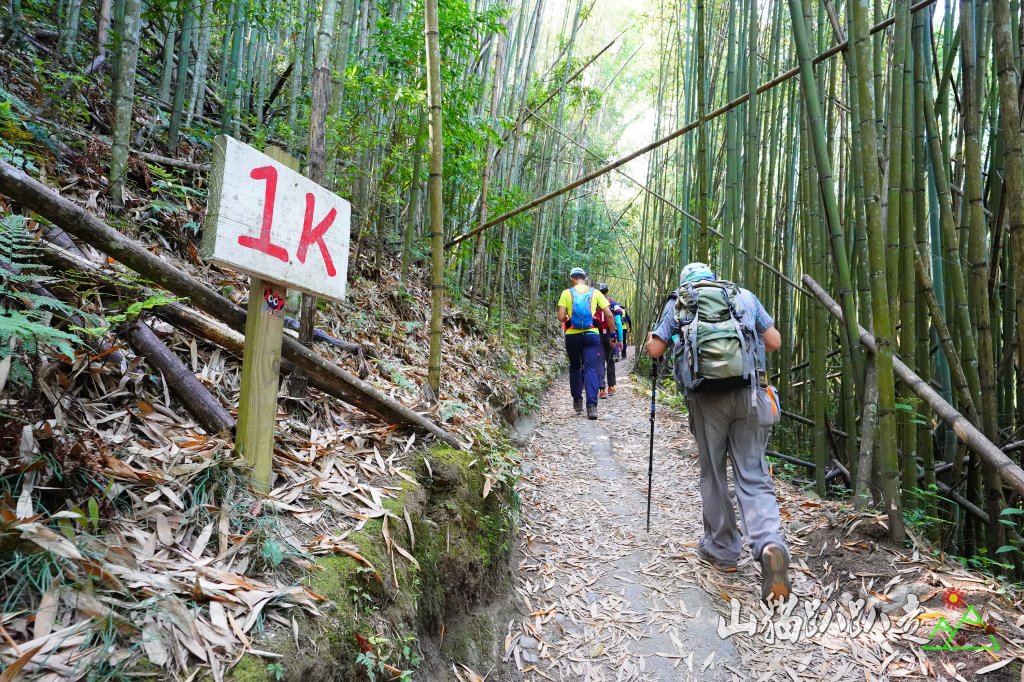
(715, 348)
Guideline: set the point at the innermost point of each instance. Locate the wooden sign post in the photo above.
(285, 231)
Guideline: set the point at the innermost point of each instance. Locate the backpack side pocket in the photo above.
(769, 409)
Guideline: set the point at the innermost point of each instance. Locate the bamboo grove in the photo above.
(343, 85)
(890, 174)
(873, 145)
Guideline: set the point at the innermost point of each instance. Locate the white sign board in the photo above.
(269, 221)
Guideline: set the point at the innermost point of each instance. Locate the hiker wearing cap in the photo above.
(577, 307)
(611, 340)
(723, 335)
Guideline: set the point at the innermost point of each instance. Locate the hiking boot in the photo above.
(611, 390)
(723, 566)
(603, 393)
(591, 411)
(577, 405)
(775, 574)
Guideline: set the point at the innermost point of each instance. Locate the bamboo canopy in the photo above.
(693, 125)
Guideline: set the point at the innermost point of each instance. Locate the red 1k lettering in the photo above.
(268, 173)
(311, 234)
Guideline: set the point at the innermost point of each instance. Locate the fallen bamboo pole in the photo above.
(791, 459)
(37, 197)
(724, 109)
(526, 114)
(196, 398)
(837, 471)
(954, 496)
(187, 318)
(1012, 474)
(800, 419)
(676, 207)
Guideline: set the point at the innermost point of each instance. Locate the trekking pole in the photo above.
(650, 461)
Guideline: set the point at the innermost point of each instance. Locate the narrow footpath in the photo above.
(599, 598)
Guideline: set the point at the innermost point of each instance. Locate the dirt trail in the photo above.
(601, 599)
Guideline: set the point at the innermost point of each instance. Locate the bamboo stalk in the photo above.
(1009, 472)
(434, 193)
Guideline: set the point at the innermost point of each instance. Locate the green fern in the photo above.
(15, 323)
(24, 314)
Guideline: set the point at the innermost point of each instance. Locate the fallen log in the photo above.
(37, 197)
(146, 156)
(174, 163)
(188, 319)
(950, 494)
(199, 402)
(321, 335)
(1012, 474)
(197, 324)
(800, 419)
(347, 346)
(837, 471)
(792, 460)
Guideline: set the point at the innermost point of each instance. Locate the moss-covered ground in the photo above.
(401, 616)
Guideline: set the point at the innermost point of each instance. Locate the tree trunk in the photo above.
(751, 165)
(71, 29)
(197, 94)
(231, 90)
(434, 194)
(102, 27)
(703, 248)
(881, 319)
(170, 35)
(1013, 162)
(124, 98)
(497, 87)
(862, 488)
(316, 170)
(188, 14)
(341, 54)
(414, 195)
(823, 165)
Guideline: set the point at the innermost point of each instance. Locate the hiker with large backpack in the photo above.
(722, 334)
(577, 307)
(610, 327)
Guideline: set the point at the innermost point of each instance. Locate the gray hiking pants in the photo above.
(727, 423)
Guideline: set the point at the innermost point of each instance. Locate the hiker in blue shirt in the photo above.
(732, 410)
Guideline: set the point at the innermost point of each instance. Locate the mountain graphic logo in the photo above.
(953, 640)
